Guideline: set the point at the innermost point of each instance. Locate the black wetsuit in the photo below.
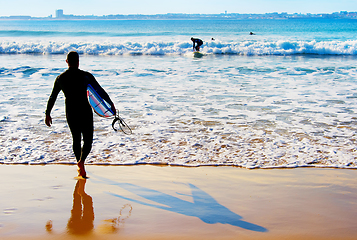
(198, 43)
(73, 82)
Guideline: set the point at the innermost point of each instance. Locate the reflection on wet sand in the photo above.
(81, 221)
(82, 214)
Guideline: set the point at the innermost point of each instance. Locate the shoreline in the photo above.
(183, 165)
(161, 202)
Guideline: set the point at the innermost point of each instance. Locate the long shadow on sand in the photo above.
(203, 206)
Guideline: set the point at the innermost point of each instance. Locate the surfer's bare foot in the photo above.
(81, 171)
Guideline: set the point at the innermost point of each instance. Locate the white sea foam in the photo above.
(250, 111)
(169, 47)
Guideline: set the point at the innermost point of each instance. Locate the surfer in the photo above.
(198, 42)
(73, 83)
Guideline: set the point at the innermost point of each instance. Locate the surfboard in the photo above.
(197, 54)
(99, 105)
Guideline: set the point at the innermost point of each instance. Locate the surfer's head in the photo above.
(73, 59)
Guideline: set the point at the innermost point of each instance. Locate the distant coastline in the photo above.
(178, 16)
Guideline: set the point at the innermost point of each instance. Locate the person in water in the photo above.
(198, 42)
(73, 83)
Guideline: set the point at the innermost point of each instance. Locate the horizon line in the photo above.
(157, 14)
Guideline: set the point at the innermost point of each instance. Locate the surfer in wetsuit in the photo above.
(198, 42)
(73, 83)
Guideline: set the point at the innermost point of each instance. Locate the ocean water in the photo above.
(285, 97)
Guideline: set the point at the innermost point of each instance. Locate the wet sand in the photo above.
(161, 202)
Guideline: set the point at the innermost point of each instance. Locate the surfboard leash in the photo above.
(122, 125)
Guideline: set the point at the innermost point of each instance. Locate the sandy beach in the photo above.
(161, 202)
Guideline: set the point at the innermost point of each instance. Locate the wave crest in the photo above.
(248, 48)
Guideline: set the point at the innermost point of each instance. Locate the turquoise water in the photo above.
(163, 37)
(342, 29)
(285, 97)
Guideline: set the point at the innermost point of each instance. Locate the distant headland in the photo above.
(275, 15)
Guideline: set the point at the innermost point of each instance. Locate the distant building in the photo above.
(59, 13)
(224, 15)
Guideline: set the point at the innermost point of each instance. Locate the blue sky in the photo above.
(43, 8)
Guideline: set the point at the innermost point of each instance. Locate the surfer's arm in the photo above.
(51, 102)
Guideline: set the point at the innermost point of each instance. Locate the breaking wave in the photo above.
(245, 48)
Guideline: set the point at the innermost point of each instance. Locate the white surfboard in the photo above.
(99, 105)
(198, 54)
